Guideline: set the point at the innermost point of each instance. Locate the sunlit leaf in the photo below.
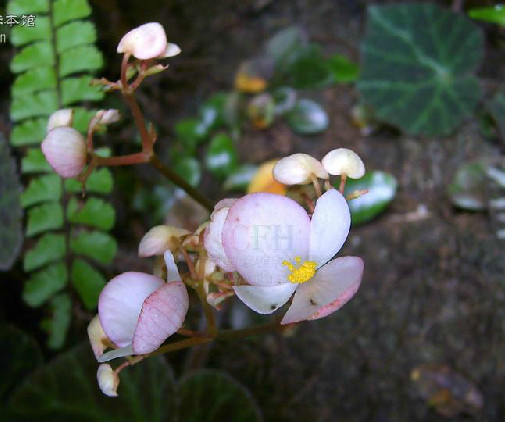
(36, 54)
(93, 212)
(307, 117)
(81, 58)
(100, 181)
(221, 158)
(23, 7)
(41, 31)
(74, 34)
(29, 132)
(381, 191)
(87, 282)
(34, 80)
(68, 10)
(35, 162)
(494, 14)
(418, 73)
(38, 104)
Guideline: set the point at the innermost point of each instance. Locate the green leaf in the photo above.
(240, 178)
(307, 117)
(190, 132)
(50, 247)
(34, 80)
(24, 7)
(39, 104)
(57, 326)
(82, 118)
(43, 218)
(20, 356)
(417, 74)
(96, 245)
(78, 89)
(343, 69)
(79, 59)
(221, 158)
(212, 111)
(496, 107)
(42, 189)
(381, 191)
(29, 132)
(212, 396)
(93, 212)
(11, 235)
(189, 169)
(87, 282)
(66, 390)
(36, 54)
(100, 181)
(21, 35)
(69, 10)
(35, 162)
(309, 69)
(285, 44)
(494, 14)
(44, 284)
(468, 187)
(74, 34)
(284, 99)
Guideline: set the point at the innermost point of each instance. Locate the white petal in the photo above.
(297, 169)
(344, 161)
(331, 283)
(63, 117)
(329, 226)
(116, 353)
(260, 232)
(172, 270)
(163, 313)
(97, 337)
(108, 380)
(146, 42)
(265, 299)
(120, 304)
(213, 237)
(171, 50)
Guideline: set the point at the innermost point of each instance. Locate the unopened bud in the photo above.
(65, 151)
(63, 117)
(344, 161)
(148, 41)
(154, 70)
(97, 337)
(160, 239)
(298, 169)
(108, 380)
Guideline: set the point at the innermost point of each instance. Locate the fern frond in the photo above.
(54, 65)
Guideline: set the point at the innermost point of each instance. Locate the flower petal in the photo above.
(163, 313)
(329, 226)
(172, 270)
(116, 353)
(265, 299)
(171, 50)
(120, 304)
(108, 380)
(337, 280)
(146, 42)
(212, 239)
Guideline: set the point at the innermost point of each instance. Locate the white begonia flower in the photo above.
(298, 169)
(147, 41)
(279, 250)
(97, 337)
(63, 117)
(342, 161)
(65, 151)
(213, 234)
(139, 311)
(108, 380)
(160, 239)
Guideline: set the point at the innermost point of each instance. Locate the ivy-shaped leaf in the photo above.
(11, 235)
(54, 65)
(418, 68)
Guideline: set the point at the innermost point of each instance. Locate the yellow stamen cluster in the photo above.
(300, 272)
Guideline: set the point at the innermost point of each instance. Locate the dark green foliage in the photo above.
(418, 67)
(11, 235)
(54, 66)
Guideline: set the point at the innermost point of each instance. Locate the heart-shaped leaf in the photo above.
(307, 117)
(418, 67)
(381, 191)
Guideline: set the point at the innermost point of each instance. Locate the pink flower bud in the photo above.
(108, 380)
(64, 117)
(65, 151)
(148, 41)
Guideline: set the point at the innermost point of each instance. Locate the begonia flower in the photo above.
(139, 311)
(147, 41)
(279, 250)
(65, 151)
(160, 239)
(343, 161)
(298, 169)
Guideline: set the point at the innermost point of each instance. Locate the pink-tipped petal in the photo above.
(260, 232)
(65, 151)
(163, 313)
(332, 282)
(329, 226)
(120, 304)
(265, 299)
(212, 239)
(172, 270)
(146, 42)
